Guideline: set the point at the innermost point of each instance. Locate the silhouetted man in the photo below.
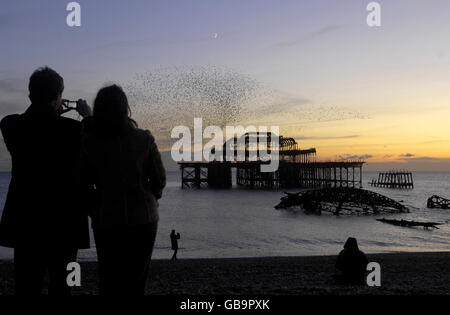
(174, 240)
(351, 263)
(42, 218)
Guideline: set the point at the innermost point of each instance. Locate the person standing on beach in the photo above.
(351, 263)
(174, 240)
(43, 219)
(122, 166)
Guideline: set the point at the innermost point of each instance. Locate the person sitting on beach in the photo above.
(43, 219)
(123, 167)
(174, 240)
(351, 264)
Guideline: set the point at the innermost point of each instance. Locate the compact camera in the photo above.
(69, 105)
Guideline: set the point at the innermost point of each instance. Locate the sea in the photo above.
(239, 222)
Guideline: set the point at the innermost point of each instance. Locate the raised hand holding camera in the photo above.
(83, 108)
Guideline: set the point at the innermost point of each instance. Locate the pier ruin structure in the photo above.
(394, 179)
(297, 168)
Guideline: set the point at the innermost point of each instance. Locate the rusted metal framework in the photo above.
(438, 202)
(193, 176)
(297, 168)
(297, 175)
(394, 179)
(248, 148)
(406, 223)
(340, 200)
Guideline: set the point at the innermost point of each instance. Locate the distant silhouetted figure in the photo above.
(122, 165)
(43, 219)
(351, 263)
(174, 240)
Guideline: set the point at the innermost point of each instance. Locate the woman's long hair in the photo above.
(112, 111)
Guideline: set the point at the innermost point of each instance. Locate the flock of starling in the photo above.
(164, 98)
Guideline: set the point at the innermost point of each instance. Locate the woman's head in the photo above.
(351, 244)
(111, 109)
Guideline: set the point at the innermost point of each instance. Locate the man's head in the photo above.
(46, 87)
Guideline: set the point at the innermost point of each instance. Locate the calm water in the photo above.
(243, 223)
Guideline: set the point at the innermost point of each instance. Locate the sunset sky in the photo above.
(350, 90)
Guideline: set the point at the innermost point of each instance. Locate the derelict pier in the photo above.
(297, 168)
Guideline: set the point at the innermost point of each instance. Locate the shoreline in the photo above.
(421, 273)
(91, 260)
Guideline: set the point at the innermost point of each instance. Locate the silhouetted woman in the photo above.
(351, 263)
(122, 165)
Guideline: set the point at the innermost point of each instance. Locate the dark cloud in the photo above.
(407, 155)
(421, 158)
(412, 164)
(269, 102)
(295, 117)
(328, 137)
(309, 36)
(348, 156)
